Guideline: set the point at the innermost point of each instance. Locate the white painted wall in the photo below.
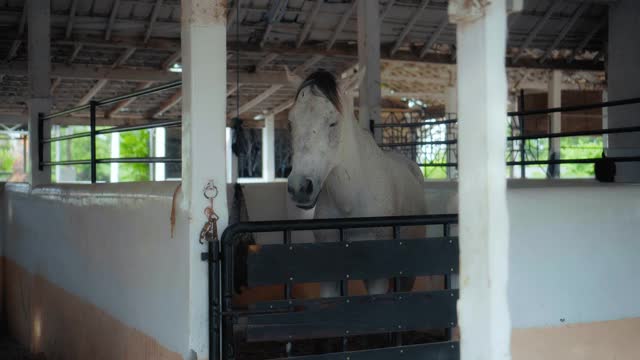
(574, 248)
(623, 81)
(574, 254)
(110, 245)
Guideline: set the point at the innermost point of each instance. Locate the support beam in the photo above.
(233, 13)
(369, 60)
(409, 26)
(268, 149)
(565, 30)
(203, 143)
(112, 19)
(39, 53)
(74, 53)
(274, 88)
(594, 31)
(309, 22)
(95, 89)
(536, 29)
(114, 173)
(17, 42)
(124, 103)
(54, 85)
(483, 309)
(282, 107)
(343, 21)
(273, 17)
(434, 37)
(174, 58)
(166, 105)
(554, 99)
(71, 19)
(387, 10)
(266, 61)
(152, 20)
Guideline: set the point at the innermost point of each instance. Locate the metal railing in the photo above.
(92, 106)
(520, 159)
(221, 257)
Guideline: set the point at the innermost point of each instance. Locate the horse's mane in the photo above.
(325, 83)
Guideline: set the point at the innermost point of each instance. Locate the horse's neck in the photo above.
(345, 182)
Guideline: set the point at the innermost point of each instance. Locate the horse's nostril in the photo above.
(290, 189)
(308, 186)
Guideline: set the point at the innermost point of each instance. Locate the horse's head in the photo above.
(316, 124)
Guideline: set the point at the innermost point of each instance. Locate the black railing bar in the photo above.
(437, 164)
(416, 124)
(576, 133)
(575, 107)
(417, 143)
(67, 162)
(151, 90)
(152, 125)
(65, 112)
(166, 124)
(138, 160)
(324, 224)
(67, 137)
(572, 161)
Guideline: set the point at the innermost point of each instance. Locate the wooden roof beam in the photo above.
(309, 22)
(565, 30)
(152, 20)
(103, 82)
(536, 29)
(166, 105)
(17, 42)
(274, 88)
(343, 21)
(71, 19)
(386, 10)
(407, 28)
(112, 19)
(588, 38)
(434, 37)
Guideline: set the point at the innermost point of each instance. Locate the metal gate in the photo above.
(289, 320)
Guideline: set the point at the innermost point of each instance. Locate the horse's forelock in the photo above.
(325, 83)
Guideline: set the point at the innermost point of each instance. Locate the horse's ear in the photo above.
(293, 78)
(353, 81)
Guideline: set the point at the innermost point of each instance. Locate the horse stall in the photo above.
(269, 224)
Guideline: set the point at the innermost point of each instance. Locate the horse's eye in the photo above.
(333, 124)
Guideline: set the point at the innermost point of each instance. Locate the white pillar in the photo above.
(160, 138)
(369, 59)
(204, 63)
(268, 149)
(623, 82)
(554, 99)
(114, 171)
(483, 309)
(39, 51)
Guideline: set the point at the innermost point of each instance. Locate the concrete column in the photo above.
(160, 138)
(369, 59)
(554, 99)
(204, 64)
(39, 53)
(268, 149)
(232, 159)
(623, 82)
(55, 132)
(483, 310)
(605, 120)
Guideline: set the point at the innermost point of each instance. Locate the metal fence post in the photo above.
(92, 119)
(523, 173)
(40, 142)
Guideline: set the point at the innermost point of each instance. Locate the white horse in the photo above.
(339, 169)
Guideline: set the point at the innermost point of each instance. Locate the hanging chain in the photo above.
(209, 230)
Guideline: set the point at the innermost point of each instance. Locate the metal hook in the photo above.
(210, 191)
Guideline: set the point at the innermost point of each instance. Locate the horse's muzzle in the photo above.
(302, 191)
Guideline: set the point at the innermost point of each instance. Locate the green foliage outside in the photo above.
(6, 159)
(132, 144)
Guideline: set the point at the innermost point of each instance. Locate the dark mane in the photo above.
(322, 83)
